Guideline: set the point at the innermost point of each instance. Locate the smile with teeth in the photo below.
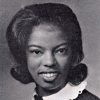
(49, 76)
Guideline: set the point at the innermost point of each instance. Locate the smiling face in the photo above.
(48, 57)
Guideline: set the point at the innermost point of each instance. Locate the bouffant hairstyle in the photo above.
(26, 19)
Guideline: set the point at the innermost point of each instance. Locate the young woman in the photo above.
(46, 42)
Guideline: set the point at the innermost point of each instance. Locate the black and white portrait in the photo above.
(49, 50)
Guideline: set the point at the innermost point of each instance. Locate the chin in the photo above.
(52, 86)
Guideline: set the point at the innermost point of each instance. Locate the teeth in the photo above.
(49, 76)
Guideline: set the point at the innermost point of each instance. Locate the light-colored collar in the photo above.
(69, 92)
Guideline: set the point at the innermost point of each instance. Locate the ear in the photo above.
(76, 59)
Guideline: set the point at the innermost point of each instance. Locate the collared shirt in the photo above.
(69, 92)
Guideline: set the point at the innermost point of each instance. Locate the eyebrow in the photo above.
(33, 45)
(61, 45)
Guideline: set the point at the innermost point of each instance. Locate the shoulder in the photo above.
(86, 95)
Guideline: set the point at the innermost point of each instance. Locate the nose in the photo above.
(49, 60)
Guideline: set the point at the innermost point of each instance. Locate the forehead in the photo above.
(46, 34)
(46, 31)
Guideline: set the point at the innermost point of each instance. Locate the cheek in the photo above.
(63, 62)
(33, 67)
(33, 63)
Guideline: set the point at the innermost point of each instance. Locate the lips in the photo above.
(49, 76)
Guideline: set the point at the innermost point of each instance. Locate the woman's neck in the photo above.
(45, 92)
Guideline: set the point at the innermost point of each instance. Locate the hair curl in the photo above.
(26, 19)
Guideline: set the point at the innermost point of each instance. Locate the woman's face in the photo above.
(48, 57)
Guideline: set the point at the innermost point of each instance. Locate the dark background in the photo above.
(88, 13)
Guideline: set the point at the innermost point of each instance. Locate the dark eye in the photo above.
(36, 52)
(61, 51)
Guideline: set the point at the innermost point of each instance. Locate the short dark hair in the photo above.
(21, 26)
